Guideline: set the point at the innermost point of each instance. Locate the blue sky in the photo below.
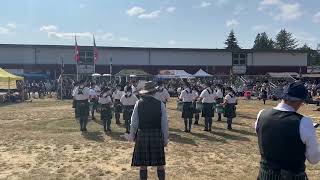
(156, 23)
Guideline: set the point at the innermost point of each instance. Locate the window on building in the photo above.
(86, 57)
(239, 59)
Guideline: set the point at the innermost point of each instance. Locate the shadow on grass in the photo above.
(118, 136)
(230, 136)
(175, 137)
(94, 136)
(244, 116)
(244, 132)
(208, 138)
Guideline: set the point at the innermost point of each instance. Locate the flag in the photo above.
(76, 50)
(95, 50)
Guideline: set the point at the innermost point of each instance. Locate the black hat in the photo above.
(295, 92)
(149, 87)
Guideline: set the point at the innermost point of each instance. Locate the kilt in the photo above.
(187, 110)
(82, 108)
(117, 106)
(269, 174)
(127, 112)
(95, 104)
(74, 103)
(207, 110)
(106, 112)
(219, 100)
(230, 111)
(149, 148)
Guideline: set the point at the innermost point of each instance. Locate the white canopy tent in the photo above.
(202, 73)
(168, 74)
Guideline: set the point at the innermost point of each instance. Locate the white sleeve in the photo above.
(164, 123)
(121, 99)
(256, 123)
(181, 95)
(134, 122)
(309, 138)
(202, 95)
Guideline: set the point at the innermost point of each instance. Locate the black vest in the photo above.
(279, 141)
(149, 111)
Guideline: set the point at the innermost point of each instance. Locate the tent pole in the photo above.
(9, 89)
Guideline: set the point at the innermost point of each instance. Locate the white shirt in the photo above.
(84, 95)
(208, 96)
(117, 94)
(129, 101)
(219, 93)
(74, 90)
(307, 134)
(135, 123)
(162, 95)
(93, 93)
(230, 99)
(188, 95)
(105, 99)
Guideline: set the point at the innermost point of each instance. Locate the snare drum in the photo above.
(199, 106)
(219, 108)
(180, 106)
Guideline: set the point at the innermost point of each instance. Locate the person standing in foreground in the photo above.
(208, 97)
(117, 94)
(286, 138)
(82, 107)
(219, 99)
(230, 102)
(149, 130)
(105, 102)
(128, 101)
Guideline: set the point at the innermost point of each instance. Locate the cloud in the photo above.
(221, 3)
(172, 42)
(281, 10)
(135, 11)
(171, 9)
(69, 35)
(48, 28)
(82, 6)
(260, 28)
(205, 4)
(316, 18)
(152, 15)
(232, 23)
(238, 9)
(12, 25)
(4, 30)
(305, 37)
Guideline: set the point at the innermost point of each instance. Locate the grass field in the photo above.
(41, 140)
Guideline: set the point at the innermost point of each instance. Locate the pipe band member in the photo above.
(105, 102)
(219, 100)
(128, 101)
(162, 93)
(230, 102)
(74, 102)
(187, 96)
(208, 97)
(82, 106)
(196, 90)
(117, 94)
(94, 91)
(149, 130)
(286, 138)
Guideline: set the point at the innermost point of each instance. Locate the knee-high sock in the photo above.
(186, 124)
(143, 174)
(161, 174)
(190, 124)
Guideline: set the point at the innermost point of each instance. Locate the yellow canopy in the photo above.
(8, 80)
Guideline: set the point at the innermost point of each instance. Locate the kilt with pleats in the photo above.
(207, 110)
(117, 106)
(187, 110)
(149, 148)
(269, 174)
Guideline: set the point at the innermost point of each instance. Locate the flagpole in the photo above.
(110, 68)
(61, 70)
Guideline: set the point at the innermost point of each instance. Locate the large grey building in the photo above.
(47, 59)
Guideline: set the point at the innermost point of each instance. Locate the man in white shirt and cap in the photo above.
(286, 138)
(82, 98)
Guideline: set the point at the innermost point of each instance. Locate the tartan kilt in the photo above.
(82, 108)
(269, 174)
(117, 106)
(207, 110)
(95, 104)
(230, 111)
(127, 112)
(149, 148)
(187, 110)
(106, 112)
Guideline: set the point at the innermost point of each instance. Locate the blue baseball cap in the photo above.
(296, 91)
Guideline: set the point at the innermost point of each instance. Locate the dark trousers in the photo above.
(83, 122)
(106, 124)
(117, 116)
(187, 124)
(127, 123)
(229, 122)
(208, 123)
(219, 116)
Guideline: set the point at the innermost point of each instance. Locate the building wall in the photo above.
(123, 56)
(18, 55)
(279, 59)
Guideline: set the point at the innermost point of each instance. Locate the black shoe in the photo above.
(109, 130)
(196, 123)
(205, 129)
(93, 118)
(85, 130)
(209, 130)
(229, 128)
(219, 120)
(186, 130)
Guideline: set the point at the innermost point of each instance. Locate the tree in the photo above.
(305, 47)
(262, 41)
(231, 42)
(285, 41)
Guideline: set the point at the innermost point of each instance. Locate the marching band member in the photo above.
(82, 107)
(128, 101)
(150, 131)
(187, 96)
(93, 99)
(219, 100)
(286, 138)
(74, 102)
(117, 94)
(196, 91)
(106, 114)
(208, 97)
(230, 102)
(162, 94)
